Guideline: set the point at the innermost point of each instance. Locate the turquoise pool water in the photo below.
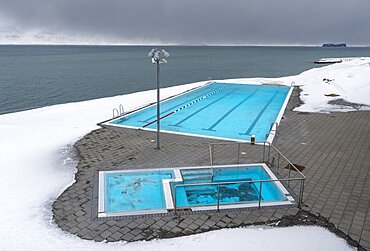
(130, 192)
(207, 195)
(135, 191)
(230, 111)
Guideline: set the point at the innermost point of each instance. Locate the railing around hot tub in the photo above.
(269, 154)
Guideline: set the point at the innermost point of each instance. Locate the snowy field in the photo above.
(36, 167)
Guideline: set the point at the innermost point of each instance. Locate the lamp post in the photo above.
(158, 57)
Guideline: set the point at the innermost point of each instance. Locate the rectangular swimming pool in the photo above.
(135, 192)
(216, 110)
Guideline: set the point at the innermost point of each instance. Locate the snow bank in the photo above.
(348, 80)
(35, 168)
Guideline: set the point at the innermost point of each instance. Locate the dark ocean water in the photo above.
(37, 76)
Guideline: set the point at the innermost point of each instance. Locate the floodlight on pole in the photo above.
(158, 57)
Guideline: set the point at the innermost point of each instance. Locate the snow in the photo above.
(350, 80)
(252, 238)
(36, 166)
(34, 161)
(336, 60)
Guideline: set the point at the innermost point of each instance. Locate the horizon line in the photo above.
(174, 44)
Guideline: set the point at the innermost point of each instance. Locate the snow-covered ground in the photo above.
(348, 80)
(335, 60)
(36, 167)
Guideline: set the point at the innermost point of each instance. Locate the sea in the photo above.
(33, 76)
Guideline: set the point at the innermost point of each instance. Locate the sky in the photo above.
(185, 22)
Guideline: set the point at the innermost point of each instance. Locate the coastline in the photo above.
(78, 120)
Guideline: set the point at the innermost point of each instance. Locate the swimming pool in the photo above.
(135, 192)
(216, 110)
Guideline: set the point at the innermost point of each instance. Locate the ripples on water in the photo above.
(37, 76)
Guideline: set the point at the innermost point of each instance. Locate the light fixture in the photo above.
(158, 57)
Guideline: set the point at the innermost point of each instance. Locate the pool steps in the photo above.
(197, 175)
(196, 171)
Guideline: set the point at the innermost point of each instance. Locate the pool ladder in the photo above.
(118, 111)
(274, 128)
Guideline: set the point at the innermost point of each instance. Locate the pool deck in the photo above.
(334, 148)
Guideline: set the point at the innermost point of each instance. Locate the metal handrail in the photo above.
(301, 188)
(115, 110)
(275, 130)
(272, 126)
(211, 149)
(218, 184)
(120, 111)
(269, 151)
(290, 164)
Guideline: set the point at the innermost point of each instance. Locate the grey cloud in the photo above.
(198, 22)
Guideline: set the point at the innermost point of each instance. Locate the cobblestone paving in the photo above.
(333, 148)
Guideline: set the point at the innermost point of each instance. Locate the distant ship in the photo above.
(334, 45)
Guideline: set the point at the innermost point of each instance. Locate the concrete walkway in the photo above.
(333, 148)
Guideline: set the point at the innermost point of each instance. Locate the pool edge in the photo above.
(269, 138)
(168, 198)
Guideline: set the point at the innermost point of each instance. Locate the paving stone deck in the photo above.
(333, 148)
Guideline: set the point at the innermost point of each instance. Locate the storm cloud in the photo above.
(191, 21)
